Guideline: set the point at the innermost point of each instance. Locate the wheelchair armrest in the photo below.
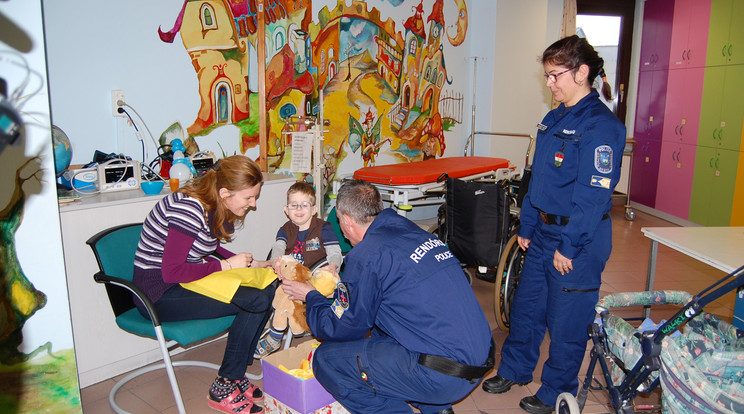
(101, 277)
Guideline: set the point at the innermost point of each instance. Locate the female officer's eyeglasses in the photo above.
(296, 206)
(554, 76)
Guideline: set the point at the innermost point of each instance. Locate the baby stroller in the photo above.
(700, 370)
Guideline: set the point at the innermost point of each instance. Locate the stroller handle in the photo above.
(644, 298)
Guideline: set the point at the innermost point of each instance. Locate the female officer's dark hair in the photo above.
(574, 51)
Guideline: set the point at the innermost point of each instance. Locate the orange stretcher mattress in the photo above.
(421, 172)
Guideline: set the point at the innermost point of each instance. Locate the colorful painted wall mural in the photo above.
(37, 361)
(383, 78)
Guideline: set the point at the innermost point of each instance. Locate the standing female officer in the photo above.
(565, 223)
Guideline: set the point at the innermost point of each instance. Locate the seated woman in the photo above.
(178, 235)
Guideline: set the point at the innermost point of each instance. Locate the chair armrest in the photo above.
(101, 277)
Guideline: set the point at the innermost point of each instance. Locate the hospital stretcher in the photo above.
(420, 182)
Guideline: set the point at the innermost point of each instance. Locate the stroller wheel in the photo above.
(567, 404)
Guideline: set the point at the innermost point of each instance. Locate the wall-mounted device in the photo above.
(203, 162)
(117, 174)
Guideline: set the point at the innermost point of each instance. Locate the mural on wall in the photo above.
(38, 370)
(385, 86)
(30, 384)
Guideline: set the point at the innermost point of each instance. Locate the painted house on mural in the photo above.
(424, 72)
(219, 54)
(217, 36)
(389, 60)
(325, 47)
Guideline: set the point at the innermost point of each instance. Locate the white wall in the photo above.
(519, 100)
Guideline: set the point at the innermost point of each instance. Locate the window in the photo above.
(207, 17)
(278, 41)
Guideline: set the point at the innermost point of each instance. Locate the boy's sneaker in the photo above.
(267, 345)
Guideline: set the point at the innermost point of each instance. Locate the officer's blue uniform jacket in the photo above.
(575, 169)
(589, 155)
(405, 283)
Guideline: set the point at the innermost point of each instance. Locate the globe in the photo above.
(62, 150)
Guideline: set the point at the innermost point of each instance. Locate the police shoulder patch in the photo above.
(603, 159)
(341, 302)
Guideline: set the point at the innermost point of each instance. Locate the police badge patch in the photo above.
(603, 159)
(341, 303)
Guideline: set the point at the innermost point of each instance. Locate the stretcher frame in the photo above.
(404, 197)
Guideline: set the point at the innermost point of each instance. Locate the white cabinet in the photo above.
(102, 349)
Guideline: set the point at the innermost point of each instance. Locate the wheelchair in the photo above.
(481, 231)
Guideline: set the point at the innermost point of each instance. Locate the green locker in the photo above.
(722, 109)
(713, 186)
(726, 33)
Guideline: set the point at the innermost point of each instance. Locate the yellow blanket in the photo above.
(222, 285)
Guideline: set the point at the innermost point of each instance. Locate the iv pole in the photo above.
(471, 138)
(315, 127)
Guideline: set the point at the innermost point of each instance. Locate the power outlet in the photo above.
(117, 101)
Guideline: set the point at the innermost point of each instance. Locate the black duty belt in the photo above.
(560, 220)
(453, 368)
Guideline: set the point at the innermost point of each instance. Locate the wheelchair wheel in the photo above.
(567, 404)
(507, 277)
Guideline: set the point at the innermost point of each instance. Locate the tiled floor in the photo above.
(626, 271)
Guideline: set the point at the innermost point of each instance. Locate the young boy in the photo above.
(308, 239)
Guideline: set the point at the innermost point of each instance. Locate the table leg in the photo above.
(651, 272)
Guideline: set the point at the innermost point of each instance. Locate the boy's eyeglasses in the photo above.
(296, 206)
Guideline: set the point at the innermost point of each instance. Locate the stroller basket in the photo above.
(702, 370)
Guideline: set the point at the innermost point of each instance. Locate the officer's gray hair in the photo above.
(359, 200)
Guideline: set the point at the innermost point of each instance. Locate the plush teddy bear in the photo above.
(292, 312)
